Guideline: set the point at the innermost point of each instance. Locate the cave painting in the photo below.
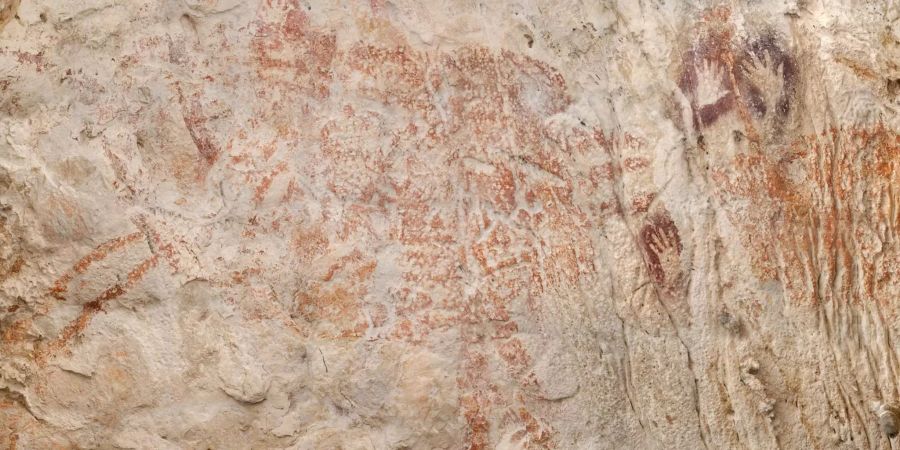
(755, 76)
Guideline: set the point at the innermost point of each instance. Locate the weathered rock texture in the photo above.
(449, 224)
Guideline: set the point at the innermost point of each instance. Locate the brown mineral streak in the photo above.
(10, 9)
(858, 68)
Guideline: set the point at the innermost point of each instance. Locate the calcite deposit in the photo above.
(460, 224)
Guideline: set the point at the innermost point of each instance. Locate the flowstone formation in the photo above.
(398, 224)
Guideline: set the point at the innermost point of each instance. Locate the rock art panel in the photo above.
(395, 224)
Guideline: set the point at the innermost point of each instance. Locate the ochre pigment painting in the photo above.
(395, 224)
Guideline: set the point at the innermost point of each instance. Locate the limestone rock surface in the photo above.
(454, 224)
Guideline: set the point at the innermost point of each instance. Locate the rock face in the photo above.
(400, 224)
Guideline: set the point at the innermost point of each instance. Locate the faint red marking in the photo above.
(203, 139)
(16, 331)
(266, 182)
(91, 308)
(240, 277)
(505, 330)
(635, 163)
(34, 58)
(537, 432)
(514, 353)
(98, 254)
(641, 203)
(293, 53)
(474, 403)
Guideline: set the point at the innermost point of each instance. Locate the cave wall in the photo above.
(398, 224)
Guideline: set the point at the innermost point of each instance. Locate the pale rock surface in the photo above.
(403, 224)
